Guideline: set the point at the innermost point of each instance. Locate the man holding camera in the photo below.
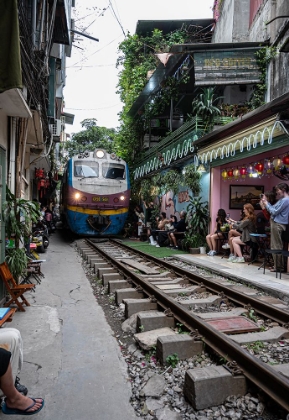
(279, 220)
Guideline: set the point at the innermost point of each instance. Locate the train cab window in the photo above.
(113, 171)
(86, 170)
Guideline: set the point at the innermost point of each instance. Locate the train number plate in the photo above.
(100, 199)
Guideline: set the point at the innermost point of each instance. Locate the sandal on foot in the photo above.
(9, 411)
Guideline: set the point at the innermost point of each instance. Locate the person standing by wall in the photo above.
(279, 220)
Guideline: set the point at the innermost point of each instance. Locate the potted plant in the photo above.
(18, 214)
(194, 242)
(197, 222)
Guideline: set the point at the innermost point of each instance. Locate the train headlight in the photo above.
(113, 156)
(83, 198)
(77, 196)
(122, 198)
(115, 200)
(100, 154)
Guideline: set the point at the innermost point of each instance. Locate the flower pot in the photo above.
(194, 250)
(203, 250)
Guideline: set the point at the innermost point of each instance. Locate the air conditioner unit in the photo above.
(56, 128)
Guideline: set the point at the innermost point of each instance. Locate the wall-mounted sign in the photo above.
(235, 66)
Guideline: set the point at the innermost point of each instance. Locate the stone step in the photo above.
(148, 340)
(104, 270)
(151, 320)
(210, 386)
(271, 336)
(129, 293)
(132, 306)
(114, 285)
(111, 276)
(182, 345)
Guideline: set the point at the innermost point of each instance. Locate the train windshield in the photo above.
(113, 171)
(87, 169)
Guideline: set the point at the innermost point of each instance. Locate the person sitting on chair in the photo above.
(247, 225)
(161, 222)
(232, 234)
(15, 402)
(179, 227)
(217, 233)
(11, 340)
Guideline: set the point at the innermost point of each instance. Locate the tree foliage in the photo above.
(90, 138)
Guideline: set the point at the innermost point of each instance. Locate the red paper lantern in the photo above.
(286, 160)
(230, 173)
(259, 167)
(243, 171)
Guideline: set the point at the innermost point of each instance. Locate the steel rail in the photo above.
(271, 382)
(261, 307)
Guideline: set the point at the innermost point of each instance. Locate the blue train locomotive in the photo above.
(95, 194)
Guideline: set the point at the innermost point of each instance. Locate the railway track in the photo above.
(175, 291)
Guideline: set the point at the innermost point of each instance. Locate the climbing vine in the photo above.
(263, 56)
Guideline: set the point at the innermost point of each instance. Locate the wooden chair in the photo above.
(15, 290)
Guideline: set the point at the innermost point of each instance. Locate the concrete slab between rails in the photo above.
(147, 340)
(218, 315)
(182, 345)
(271, 336)
(210, 386)
(114, 285)
(196, 303)
(111, 276)
(180, 291)
(283, 369)
(244, 273)
(152, 320)
(129, 293)
(245, 290)
(132, 306)
(164, 274)
(168, 280)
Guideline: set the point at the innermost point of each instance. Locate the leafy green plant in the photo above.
(192, 179)
(193, 240)
(251, 315)
(205, 106)
(172, 360)
(180, 329)
(17, 261)
(18, 215)
(263, 56)
(151, 353)
(198, 216)
(141, 328)
(171, 181)
(256, 347)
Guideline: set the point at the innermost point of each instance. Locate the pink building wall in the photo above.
(220, 190)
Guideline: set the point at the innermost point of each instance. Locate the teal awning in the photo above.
(10, 61)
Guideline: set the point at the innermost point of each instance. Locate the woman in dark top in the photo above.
(217, 233)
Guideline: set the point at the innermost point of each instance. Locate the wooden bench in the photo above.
(179, 237)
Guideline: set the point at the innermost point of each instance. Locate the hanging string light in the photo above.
(267, 167)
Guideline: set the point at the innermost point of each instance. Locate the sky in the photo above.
(91, 75)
